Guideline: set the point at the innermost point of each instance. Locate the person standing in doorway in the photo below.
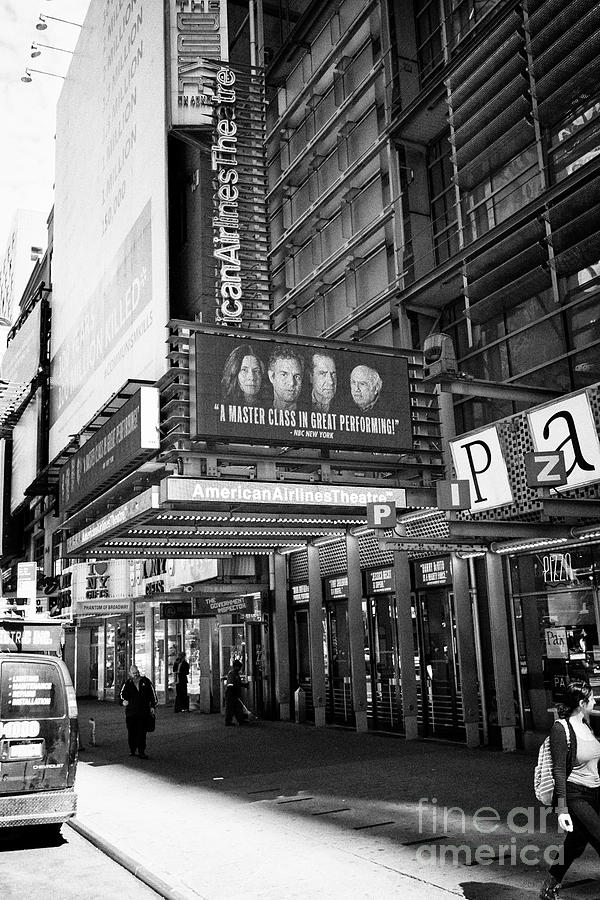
(233, 695)
(182, 701)
(139, 699)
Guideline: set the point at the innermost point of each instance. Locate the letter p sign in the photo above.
(381, 515)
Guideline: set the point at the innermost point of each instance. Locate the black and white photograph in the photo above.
(300, 450)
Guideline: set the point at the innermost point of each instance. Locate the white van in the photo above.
(38, 726)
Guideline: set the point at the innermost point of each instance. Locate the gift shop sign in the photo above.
(565, 425)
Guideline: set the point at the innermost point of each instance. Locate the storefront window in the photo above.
(159, 655)
(556, 617)
(109, 678)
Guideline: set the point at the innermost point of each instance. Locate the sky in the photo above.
(28, 111)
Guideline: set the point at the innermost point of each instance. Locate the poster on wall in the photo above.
(252, 388)
(109, 303)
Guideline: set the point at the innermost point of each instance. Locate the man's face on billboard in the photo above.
(323, 377)
(285, 375)
(364, 386)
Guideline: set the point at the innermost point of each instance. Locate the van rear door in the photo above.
(35, 731)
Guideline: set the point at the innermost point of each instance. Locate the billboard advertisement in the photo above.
(24, 461)
(109, 305)
(129, 437)
(21, 360)
(248, 387)
(198, 35)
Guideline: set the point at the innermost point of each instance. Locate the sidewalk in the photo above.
(274, 810)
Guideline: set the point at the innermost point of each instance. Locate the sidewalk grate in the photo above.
(329, 812)
(265, 791)
(425, 840)
(373, 825)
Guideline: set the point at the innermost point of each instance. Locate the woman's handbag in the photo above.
(151, 721)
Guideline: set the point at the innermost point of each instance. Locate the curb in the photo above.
(139, 871)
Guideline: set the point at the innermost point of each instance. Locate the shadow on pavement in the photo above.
(475, 890)
(32, 837)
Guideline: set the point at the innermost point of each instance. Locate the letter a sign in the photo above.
(478, 459)
(568, 425)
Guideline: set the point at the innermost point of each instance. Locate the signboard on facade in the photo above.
(21, 360)
(556, 643)
(26, 580)
(102, 527)
(252, 388)
(379, 581)
(300, 593)
(130, 436)
(109, 301)
(179, 609)
(29, 637)
(275, 493)
(103, 607)
(336, 588)
(215, 606)
(198, 37)
(568, 425)
(478, 459)
(432, 572)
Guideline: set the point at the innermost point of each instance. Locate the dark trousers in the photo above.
(136, 733)
(584, 808)
(182, 701)
(233, 706)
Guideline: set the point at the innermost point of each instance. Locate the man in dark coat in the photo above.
(233, 695)
(182, 670)
(139, 699)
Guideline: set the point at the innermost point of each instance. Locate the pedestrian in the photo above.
(139, 699)
(182, 670)
(233, 695)
(576, 780)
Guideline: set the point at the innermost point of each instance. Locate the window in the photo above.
(503, 193)
(30, 691)
(575, 141)
(442, 199)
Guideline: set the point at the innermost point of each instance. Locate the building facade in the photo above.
(325, 193)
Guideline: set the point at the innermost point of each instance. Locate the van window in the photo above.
(30, 690)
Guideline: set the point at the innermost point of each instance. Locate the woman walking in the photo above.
(577, 782)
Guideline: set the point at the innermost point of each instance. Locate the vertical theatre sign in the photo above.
(226, 221)
(199, 36)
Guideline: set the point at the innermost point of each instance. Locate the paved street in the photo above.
(37, 866)
(276, 810)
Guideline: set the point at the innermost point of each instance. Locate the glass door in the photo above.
(339, 708)
(440, 693)
(384, 706)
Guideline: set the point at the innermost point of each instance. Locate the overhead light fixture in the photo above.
(27, 79)
(35, 49)
(324, 541)
(585, 532)
(520, 546)
(42, 24)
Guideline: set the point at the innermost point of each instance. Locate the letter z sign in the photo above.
(545, 470)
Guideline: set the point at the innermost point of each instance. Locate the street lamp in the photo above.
(35, 51)
(42, 25)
